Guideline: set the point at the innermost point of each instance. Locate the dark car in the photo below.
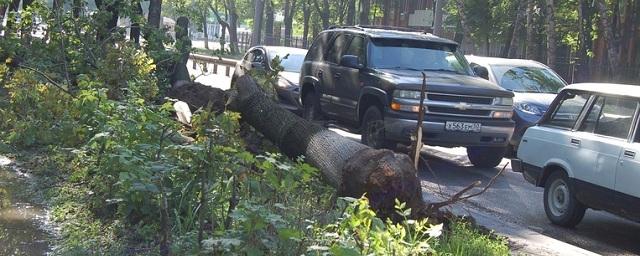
(369, 79)
(291, 59)
(534, 85)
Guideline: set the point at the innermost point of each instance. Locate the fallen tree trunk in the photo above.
(351, 167)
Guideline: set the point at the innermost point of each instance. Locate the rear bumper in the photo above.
(531, 174)
(493, 134)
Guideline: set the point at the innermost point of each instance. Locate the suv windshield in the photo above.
(527, 79)
(417, 55)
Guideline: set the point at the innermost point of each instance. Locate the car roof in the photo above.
(284, 49)
(607, 88)
(481, 60)
(393, 33)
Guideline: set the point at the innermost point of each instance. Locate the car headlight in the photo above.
(406, 94)
(529, 109)
(503, 101)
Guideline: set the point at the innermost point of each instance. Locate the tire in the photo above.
(372, 129)
(311, 107)
(560, 204)
(485, 157)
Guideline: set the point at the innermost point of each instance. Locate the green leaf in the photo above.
(344, 251)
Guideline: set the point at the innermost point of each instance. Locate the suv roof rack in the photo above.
(363, 27)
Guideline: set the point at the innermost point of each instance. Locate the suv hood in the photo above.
(442, 82)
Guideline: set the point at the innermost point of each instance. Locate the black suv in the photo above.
(369, 78)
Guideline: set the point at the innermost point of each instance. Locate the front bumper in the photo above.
(493, 133)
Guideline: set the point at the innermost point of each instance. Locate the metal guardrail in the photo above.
(215, 61)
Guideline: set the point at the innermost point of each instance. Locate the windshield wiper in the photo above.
(442, 70)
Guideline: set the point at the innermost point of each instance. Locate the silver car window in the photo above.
(610, 116)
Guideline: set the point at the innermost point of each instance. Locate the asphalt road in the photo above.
(510, 201)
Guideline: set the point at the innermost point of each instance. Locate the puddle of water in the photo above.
(21, 220)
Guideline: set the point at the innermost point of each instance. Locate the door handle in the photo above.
(629, 154)
(337, 75)
(575, 142)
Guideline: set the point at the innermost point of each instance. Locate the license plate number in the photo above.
(462, 127)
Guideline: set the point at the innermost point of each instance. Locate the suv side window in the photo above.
(316, 52)
(357, 48)
(335, 52)
(611, 116)
(568, 110)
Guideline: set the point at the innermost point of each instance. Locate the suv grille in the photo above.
(467, 112)
(459, 98)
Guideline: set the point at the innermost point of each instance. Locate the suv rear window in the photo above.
(568, 110)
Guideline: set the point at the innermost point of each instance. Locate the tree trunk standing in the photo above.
(324, 12)
(467, 42)
(365, 11)
(233, 26)
(517, 28)
(386, 6)
(268, 23)
(531, 31)
(155, 13)
(3, 11)
(613, 56)
(134, 33)
(351, 13)
(551, 34)
(223, 26)
(437, 21)
(306, 17)
(112, 9)
(352, 168)
(258, 13)
(205, 29)
(78, 6)
(289, 13)
(584, 40)
(183, 45)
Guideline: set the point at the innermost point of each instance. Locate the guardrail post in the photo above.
(205, 67)
(215, 68)
(194, 63)
(227, 71)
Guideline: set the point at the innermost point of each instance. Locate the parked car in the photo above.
(585, 152)
(369, 79)
(288, 89)
(534, 85)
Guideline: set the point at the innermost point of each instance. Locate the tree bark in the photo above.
(14, 6)
(584, 24)
(324, 12)
(3, 11)
(224, 25)
(437, 21)
(258, 13)
(78, 6)
(233, 26)
(205, 29)
(386, 16)
(306, 17)
(613, 56)
(531, 42)
(365, 11)
(467, 42)
(352, 168)
(289, 13)
(351, 13)
(551, 34)
(155, 13)
(517, 27)
(268, 24)
(134, 33)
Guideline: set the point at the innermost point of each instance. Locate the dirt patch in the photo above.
(198, 95)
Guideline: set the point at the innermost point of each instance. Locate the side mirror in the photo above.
(481, 71)
(350, 61)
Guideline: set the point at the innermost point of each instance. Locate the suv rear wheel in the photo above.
(372, 129)
(311, 107)
(560, 204)
(485, 157)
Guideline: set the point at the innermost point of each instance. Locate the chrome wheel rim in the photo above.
(558, 198)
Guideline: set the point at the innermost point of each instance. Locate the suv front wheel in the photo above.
(485, 157)
(311, 107)
(560, 203)
(372, 129)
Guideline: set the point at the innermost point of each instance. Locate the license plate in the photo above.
(462, 127)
